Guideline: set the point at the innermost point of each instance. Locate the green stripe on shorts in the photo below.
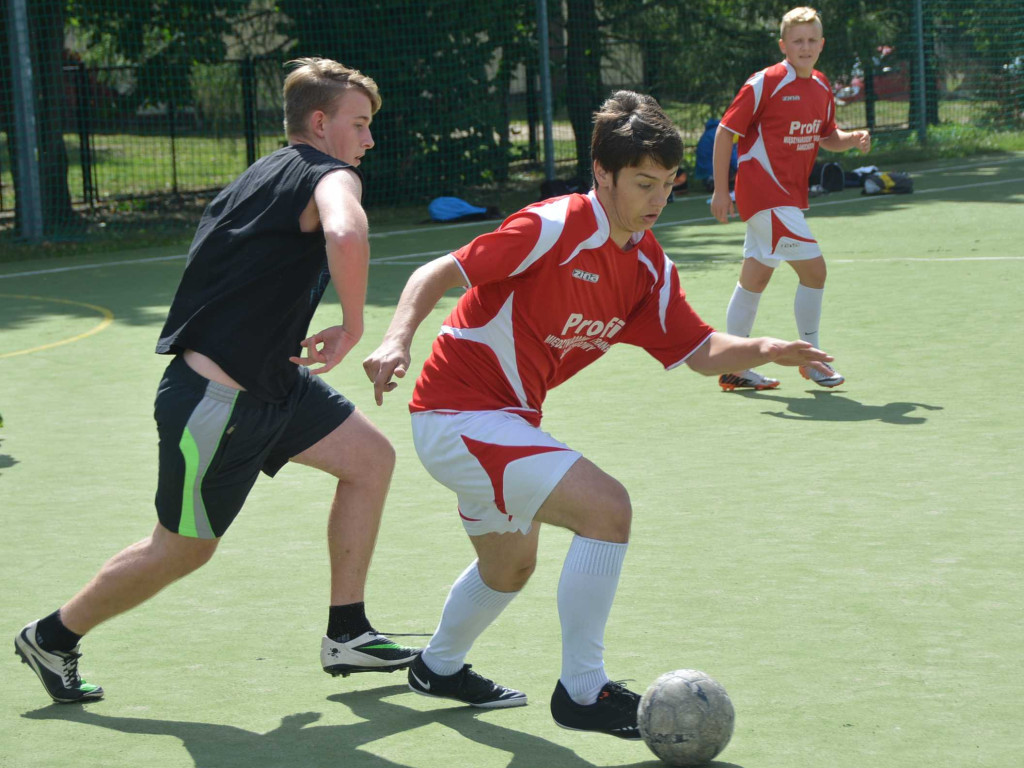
(199, 442)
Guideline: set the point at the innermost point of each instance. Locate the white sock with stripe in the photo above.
(586, 589)
(807, 310)
(470, 608)
(739, 317)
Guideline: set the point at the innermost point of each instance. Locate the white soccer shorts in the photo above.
(781, 234)
(500, 466)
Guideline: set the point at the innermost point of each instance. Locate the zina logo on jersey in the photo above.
(590, 277)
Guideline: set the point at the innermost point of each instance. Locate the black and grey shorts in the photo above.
(215, 440)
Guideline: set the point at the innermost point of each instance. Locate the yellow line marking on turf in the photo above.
(108, 318)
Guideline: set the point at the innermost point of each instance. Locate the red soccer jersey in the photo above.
(780, 118)
(549, 293)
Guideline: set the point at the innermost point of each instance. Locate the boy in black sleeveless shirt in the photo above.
(241, 396)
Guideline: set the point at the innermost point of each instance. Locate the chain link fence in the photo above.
(119, 106)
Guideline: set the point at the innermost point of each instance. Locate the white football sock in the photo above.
(470, 608)
(739, 317)
(586, 589)
(807, 310)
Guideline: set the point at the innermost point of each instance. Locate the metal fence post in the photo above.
(920, 93)
(83, 99)
(172, 117)
(545, 88)
(248, 73)
(29, 189)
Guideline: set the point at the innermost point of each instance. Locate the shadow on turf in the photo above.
(831, 406)
(294, 744)
(6, 460)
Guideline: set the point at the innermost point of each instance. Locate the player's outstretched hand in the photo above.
(326, 349)
(799, 353)
(388, 361)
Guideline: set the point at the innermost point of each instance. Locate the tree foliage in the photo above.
(447, 67)
(437, 65)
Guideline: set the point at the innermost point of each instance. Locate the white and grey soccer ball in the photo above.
(686, 717)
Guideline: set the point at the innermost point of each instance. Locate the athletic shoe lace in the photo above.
(619, 696)
(70, 670)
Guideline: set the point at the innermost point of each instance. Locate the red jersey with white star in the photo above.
(780, 118)
(550, 293)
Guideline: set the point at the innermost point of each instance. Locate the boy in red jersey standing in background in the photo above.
(781, 116)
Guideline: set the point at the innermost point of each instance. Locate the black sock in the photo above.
(52, 635)
(347, 621)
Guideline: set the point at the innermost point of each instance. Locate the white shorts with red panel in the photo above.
(500, 466)
(775, 235)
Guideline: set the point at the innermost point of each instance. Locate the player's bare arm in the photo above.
(424, 289)
(722, 206)
(723, 353)
(841, 140)
(336, 206)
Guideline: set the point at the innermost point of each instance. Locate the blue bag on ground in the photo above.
(453, 209)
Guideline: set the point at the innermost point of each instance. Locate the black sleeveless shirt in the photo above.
(253, 279)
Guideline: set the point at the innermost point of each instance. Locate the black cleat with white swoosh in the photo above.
(465, 686)
(57, 670)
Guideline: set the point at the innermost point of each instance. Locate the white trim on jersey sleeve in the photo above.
(831, 101)
(789, 78)
(680, 362)
(819, 81)
(459, 265)
(497, 336)
(756, 83)
(552, 222)
(650, 267)
(600, 237)
(665, 291)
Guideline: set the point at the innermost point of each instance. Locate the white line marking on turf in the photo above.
(92, 266)
(401, 259)
(979, 164)
(864, 261)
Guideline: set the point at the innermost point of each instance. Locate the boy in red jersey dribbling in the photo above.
(780, 116)
(550, 292)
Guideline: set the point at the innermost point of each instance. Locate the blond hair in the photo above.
(801, 15)
(315, 84)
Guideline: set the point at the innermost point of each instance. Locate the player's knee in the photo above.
(385, 456)
(756, 284)
(194, 559)
(178, 555)
(508, 576)
(612, 519)
(811, 273)
(517, 577)
(377, 459)
(620, 523)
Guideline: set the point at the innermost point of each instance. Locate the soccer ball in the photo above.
(686, 717)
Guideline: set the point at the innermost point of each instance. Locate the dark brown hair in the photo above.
(630, 128)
